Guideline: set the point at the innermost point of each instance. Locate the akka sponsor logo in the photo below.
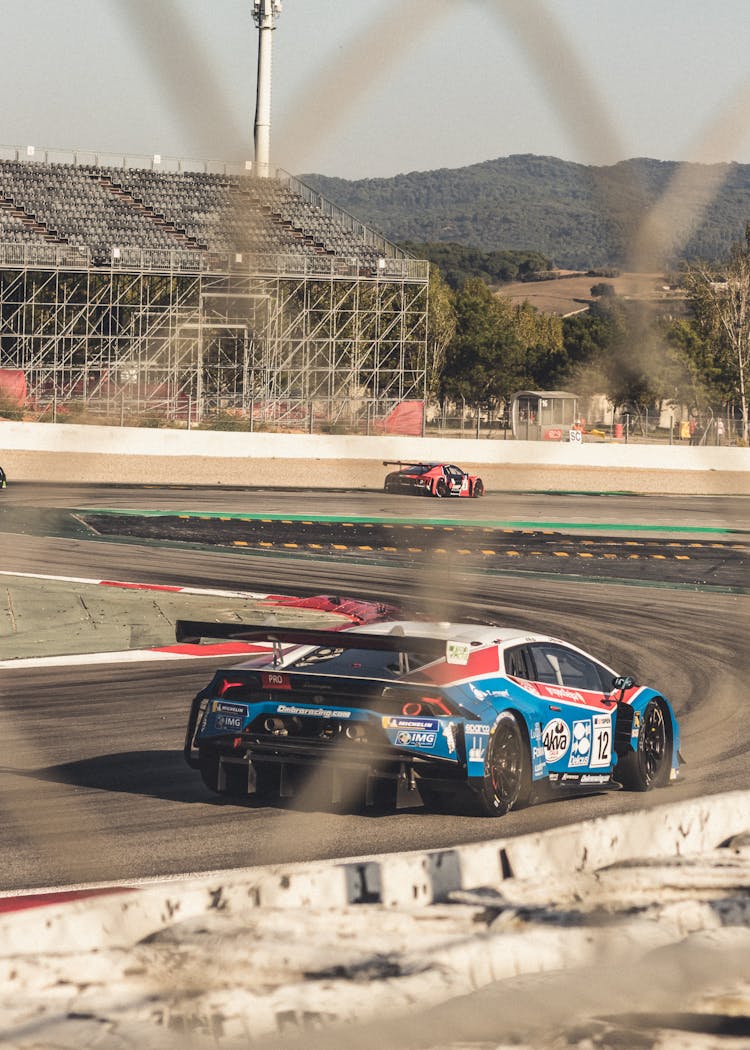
(556, 740)
(410, 738)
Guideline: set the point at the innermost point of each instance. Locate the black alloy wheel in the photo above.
(648, 766)
(441, 488)
(507, 774)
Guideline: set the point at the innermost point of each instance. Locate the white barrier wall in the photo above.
(63, 452)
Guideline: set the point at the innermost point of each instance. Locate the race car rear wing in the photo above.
(403, 463)
(395, 641)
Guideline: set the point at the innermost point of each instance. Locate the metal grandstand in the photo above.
(164, 287)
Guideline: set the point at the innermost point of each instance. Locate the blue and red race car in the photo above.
(432, 479)
(478, 719)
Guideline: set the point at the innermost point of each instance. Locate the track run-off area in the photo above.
(94, 784)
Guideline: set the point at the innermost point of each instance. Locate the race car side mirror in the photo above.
(623, 683)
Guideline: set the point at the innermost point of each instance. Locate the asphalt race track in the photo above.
(94, 786)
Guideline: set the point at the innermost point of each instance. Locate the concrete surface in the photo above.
(48, 452)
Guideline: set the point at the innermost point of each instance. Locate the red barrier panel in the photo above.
(13, 386)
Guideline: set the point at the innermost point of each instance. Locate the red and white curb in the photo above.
(349, 610)
(128, 585)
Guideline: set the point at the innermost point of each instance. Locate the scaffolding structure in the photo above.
(269, 338)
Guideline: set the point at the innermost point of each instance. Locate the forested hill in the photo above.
(579, 216)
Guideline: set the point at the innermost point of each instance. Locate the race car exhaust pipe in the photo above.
(276, 727)
(356, 733)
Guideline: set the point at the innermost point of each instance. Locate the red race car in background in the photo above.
(431, 479)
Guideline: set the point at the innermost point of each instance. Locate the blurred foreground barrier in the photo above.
(408, 880)
(646, 911)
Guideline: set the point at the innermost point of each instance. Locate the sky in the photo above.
(372, 88)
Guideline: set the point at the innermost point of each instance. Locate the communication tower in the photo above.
(265, 12)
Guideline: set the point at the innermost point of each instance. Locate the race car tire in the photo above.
(390, 485)
(478, 489)
(234, 776)
(506, 783)
(649, 764)
(441, 488)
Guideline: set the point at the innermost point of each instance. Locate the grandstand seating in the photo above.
(107, 208)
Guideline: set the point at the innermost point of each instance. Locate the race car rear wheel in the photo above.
(441, 488)
(478, 489)
(648, 766)
(507, 771)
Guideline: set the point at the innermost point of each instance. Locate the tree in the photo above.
(602, 288)
(619, 349)
(484, 362)
(721, 303)
(441, 328)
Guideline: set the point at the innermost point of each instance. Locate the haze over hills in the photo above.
(578, 215)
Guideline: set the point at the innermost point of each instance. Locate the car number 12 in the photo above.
(601, 752)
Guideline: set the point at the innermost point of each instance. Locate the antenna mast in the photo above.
(264, 14)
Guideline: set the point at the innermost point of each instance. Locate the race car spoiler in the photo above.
(403, 463)
(396, 641)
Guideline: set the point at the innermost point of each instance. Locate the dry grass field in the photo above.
(570, 294)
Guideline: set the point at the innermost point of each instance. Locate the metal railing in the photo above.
(23, 254)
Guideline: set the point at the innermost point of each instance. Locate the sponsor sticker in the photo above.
(228, 722)
(477, 729)
(449, 732)
(563, 693)
(223, 708)
(457, 652)
(477, 748)
(425, 724)
(316, 712)
(275, 680)
(556, 739)
(412, 738)
(580, 751)
(594, 778)
(601, 754)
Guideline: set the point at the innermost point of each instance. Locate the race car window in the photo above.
(546, 666)
(518, 663)
(558, 665)
(361, 663)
